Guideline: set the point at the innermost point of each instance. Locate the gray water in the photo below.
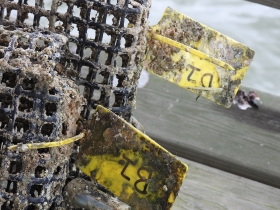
(254, 25)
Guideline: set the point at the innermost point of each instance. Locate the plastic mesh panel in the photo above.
(50, 51)
(36, 105)
(106, 41)
(107, 45)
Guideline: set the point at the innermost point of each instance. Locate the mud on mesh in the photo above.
(106, 44)
(54, 54)
(36, 105)
(108, 48)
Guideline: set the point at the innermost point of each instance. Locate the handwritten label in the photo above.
(142, 178)
(129, 163)
(202, 80)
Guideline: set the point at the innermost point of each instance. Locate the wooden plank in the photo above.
(269, 3)
(208, 188)
(245, 143)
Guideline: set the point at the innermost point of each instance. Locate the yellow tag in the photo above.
(196, 57)
(130, 164)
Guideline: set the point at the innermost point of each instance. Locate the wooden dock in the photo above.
(208, 188)
(233, 155)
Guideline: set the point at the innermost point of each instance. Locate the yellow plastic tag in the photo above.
(196, 57)
(130, 164)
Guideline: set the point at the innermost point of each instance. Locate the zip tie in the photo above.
(191, 50)
(205, 88)
(25, 147)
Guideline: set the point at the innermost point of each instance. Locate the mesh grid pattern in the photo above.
(34, 107)
(49, 52)
(109, 43)
(107, 47)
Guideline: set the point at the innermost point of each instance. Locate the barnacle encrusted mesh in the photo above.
(37, 105)
(58, 62)
(106, 40)
(110, 44)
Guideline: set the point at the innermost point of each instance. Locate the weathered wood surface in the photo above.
(208, 188)
(269, 3)
(245, 143)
